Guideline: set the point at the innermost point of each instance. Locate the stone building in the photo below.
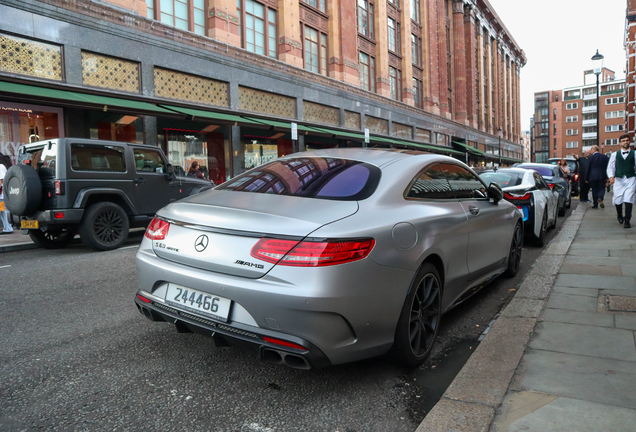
(235, 83)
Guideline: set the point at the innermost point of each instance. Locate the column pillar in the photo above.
(382, 84)
(290, 47)
(471, 66)
(431, 96)
(490, 73)
(483, 73)
(407, 54)
(223, 22)
(442, 58)
(459, 62)
(343, 36)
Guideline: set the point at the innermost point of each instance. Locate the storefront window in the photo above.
(260, 146)
(187, 142)
(115, 127)
(21, 124)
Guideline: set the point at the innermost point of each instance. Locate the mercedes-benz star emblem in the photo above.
(201, 243)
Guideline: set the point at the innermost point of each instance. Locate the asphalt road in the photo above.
(77, 356)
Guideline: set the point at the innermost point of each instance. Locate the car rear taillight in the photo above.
(576, 177)
(143, 299)
(551, 185)
(58, 187)
(311, 254)
(283, 343)
(510, 196)
(157, 230)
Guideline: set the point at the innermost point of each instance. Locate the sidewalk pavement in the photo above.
(15, 242)
(562, 355)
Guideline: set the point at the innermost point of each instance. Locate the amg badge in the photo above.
(249, 264)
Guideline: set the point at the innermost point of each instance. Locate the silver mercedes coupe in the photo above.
(332, 256)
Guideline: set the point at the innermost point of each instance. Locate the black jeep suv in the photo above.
(98, 189)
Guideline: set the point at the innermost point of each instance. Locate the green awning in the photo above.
(472, 150)
(103, 101)
(338, 133)
(278, 124)
(209, 114)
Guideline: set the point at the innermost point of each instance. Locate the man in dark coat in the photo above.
(596, 175)
(584, 187)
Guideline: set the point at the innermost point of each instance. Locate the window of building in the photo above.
(555, 144)
(615, 114)
(416, 50)
(572, 132)
(315, 51)
(395, 77)
(367, 72)
(573, 105)
(556, 97)
(572, 144)
(615, 128)
(590, 129)
(590, 103)
(571, 119)
(611, 141)
(394, 35)
(589, 116)
(415, 10)
(395, 2)
(555, 128)
(365, 18)
(589, 91)
(259, 32)
(554, 114)
(615, 100)
(417, 93)
(573, 94)
(183, 14)
(318, 4)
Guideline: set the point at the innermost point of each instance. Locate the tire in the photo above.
(22, 190)
(540, 240)
(514, 256)
(52, 239)
(104, 226)
(554, 220)
(562, 210)
(569, 202)
(419, 321)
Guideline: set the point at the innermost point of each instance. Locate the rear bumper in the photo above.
(47, 217)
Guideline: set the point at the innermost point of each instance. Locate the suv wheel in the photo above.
(104, 226)
(56, 238)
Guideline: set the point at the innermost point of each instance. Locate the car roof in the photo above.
(537, 164)
(517, 170)
(376, 156)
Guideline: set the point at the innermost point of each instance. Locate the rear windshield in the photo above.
(503, 179)
(41, 158)
(322, 178)
(544, 171)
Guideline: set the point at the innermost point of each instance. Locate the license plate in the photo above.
(207, 304)
(29, 224)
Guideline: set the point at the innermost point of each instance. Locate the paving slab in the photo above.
(622, 253)
(593, 379)
(576, 317)
(456, 416)
(590, 269)
(624, 321)
(628, 269)
(590, 252)
(560, 415)
(535, 287)
(625, 245)
(587, 292)
(484, 379)
(572, 302)
(581, 259)
(627, 292)
(523, 308)
(591, 281)
(608, 343)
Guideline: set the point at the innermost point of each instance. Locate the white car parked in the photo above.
(531, 194)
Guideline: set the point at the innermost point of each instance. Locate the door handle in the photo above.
(139, 180)
(474, 210)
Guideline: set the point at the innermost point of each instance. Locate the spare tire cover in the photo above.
(22, 190)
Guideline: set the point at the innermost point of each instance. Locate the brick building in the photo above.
(630, 48)
(222, 81)
(565, 120)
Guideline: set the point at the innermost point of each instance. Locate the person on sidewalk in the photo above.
(584, 187)
(621, 171)
(596, 175)
(5, 163)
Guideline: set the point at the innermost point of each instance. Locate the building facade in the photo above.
(233, 84)
(565, 121)
(630, 69)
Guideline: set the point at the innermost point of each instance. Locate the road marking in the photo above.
(7, 266)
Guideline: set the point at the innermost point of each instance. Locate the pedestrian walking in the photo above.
(596, 176)
(584, 187)
(5, 163)
(621, 171)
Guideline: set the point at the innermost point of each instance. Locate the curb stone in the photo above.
(471, 400)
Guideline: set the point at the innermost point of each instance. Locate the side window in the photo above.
(538, 181)
(92, 157)
(464, 183)
(431, 184)
(149, 161)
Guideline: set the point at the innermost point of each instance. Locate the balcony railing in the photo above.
(567, 98)
(589, 96)
(591, 109)
(611, 92)
(589, 135)
(589, 122)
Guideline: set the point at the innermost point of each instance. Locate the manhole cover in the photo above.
(621, 304)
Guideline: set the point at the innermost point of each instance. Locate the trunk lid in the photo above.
(216, 230)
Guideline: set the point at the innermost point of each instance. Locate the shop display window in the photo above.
(21, 124)
(115, 127)
(260, 146)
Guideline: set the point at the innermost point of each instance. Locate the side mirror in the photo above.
(495, 192)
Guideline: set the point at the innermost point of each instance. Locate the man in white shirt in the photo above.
(621, 171)
(6, 227)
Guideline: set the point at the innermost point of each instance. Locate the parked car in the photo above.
(531, 194)
(556, 180)
(330, 256)
(573, 177)
(98, 188)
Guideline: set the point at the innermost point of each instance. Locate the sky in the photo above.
(559, 38)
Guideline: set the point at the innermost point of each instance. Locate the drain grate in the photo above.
(620, 303)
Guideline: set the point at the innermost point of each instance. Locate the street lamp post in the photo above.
(597, 60)
(499, 134)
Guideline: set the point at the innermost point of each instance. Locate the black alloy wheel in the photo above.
(419, 322)
(554, 219)
(514, 258)
(104, 226)
(56, 238)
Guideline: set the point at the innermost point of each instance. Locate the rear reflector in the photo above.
(283, 343)
(551, 185)
(157, 230)
(58, 215)
(311, 254)
(143, 299)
